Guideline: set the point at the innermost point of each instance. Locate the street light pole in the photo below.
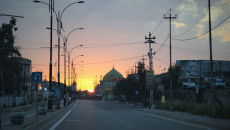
(69, 53)
(51, 48)
(59, 24)
(58, 33)
(11, 15)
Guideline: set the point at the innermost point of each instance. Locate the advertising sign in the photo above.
(149, 79)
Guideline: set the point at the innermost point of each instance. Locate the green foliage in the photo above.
(182, 106)
(129, 85)
(126, 87)
(197, 109)
(163, 106)
(10, 55)
(202, 109)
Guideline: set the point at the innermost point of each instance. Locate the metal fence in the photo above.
(10, 101)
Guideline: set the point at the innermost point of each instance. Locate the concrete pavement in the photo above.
(30, 120)
(31, 123)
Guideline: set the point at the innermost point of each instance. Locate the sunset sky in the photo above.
(114, 33)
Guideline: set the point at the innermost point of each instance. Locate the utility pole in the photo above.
(170, 55)
(64, 48)
(50, 104)
(143, 59)
(150, 40)
(59, 33)
(211, 62)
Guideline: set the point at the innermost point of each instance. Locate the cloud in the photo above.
(223, 32)
(187, 8)
(179, 25)
(219, 11)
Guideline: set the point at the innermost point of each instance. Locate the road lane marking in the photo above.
(122, 121)
(176, 121)
(25, 117)
(59, 122)
(73, 120)
(56, 124)
(30, 115)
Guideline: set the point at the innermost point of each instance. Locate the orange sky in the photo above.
(114, 34)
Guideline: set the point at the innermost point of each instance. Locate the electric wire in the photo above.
(162, 45)
(203, 33)
(195, 50)
(112, 60)
(192, 25)
(96, 46)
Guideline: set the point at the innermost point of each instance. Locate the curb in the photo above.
(46, 120)
(189, 120)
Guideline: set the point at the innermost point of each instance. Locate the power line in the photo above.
(113, 60)
(203, 33)
(163, 43)
(160, 60)
(114, 45)
(102, 45)
(192, 25)
(195, 50)
(160, 22)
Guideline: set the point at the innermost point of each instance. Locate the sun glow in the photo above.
(85, 84)
(90, 90)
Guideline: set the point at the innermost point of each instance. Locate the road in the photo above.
(103, 115)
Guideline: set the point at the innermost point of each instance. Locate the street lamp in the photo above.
(58, 18)
(51, 9)
(69, 53)
(73, 68)
(65, 51)
(11, 15)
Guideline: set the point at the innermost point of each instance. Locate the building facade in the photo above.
(109, 82)
(198, 71)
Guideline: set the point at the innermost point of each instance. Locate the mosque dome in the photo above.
(112, 76)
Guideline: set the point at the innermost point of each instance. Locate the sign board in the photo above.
(36, 77)
(149, 79)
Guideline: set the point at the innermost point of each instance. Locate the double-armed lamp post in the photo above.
(58, 18)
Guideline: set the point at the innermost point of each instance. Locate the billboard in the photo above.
(150, 81)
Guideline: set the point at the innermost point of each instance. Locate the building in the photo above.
(108, 83)
(198, 71)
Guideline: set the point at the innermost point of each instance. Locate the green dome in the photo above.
(112, 76)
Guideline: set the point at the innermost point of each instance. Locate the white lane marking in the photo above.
(30, 115)
(73, 120)
(5, 122)
(122, 121)
(59, 122)
(25, 117)
(56, 124)
(177, 121)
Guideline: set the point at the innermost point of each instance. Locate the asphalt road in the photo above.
(102, 115)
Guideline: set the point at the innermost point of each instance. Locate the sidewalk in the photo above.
(187, 117)
(31, 122)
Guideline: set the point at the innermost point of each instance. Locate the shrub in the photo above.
(202, 109)
(197, 109)
(182, 106)
(164, 106)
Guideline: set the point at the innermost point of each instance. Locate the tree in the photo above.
(144, 93)
(10, 56)
(127, 87)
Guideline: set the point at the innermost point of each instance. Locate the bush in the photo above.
(182, 106)
(197, 109)
(164, 106)
(202, 109)
(223, 113)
